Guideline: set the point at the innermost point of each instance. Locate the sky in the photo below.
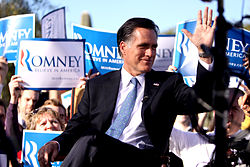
(109, 15)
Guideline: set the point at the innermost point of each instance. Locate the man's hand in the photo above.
(171, 68)
(48, 153)
(204, 32)
(83, 80)
(15, 87)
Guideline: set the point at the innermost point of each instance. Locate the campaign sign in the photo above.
(47, 64)
(164, 52)
(53, 24)
(186, 54)
(12, 30)
(238, 43)
(101, 51)
(66, 98)
(32, 141)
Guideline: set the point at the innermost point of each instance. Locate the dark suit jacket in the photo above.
(165, 96)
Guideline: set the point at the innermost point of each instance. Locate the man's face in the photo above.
(140, 51)
(235, 118)
(27, 101)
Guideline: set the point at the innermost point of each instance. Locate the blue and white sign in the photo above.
(186, 54)
(101, 51)
(238, 43)
(12, 30)
(32, 141)
(164, 52)
(66, 98)
(50, 63)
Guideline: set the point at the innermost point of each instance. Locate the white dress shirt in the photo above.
(135, 133)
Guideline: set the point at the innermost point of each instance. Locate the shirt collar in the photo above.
(126, 77)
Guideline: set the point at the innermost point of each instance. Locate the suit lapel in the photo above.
(152, 85)
(111, 87)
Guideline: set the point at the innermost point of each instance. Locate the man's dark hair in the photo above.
(125, 31)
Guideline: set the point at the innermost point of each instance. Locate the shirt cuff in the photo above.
(208, 67)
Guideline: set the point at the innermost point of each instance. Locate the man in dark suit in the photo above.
(87, 140)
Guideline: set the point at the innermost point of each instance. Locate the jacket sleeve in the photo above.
(76, 126)
(12, 126)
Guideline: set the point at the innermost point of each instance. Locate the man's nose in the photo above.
(150, 52)
(31, 103)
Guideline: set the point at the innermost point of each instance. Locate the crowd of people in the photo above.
(161, 118)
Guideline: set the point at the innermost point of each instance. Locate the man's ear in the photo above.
(123, 47)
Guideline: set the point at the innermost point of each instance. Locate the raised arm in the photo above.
(204, 33)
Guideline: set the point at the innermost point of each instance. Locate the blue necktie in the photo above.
(121, 121)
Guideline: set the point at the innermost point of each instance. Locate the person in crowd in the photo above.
(194, 148)
(2, 112)
(3, 71)
(183, 122)
(244, 101)
(79, 90)
(100, 133)
(57, 106)
(7, 150)
(22, 102)
(45, 119)
(8, 154)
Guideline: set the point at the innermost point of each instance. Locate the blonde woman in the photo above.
(45, 119)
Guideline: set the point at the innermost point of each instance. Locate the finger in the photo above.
(215, 22)
(54, 155)
(46, 157)
(210, 16)
(172, 68)
(41, 158)
(83, 79)
(94, 75)
(205, 16)
(240, 101)
(244, 99)
(245, 59)
(15, 77)
(245, 64)
(247, 113)
(90, 72)
(81, 84)
(199, 17)
(17, 80)
(187, 33)
(245, 88)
